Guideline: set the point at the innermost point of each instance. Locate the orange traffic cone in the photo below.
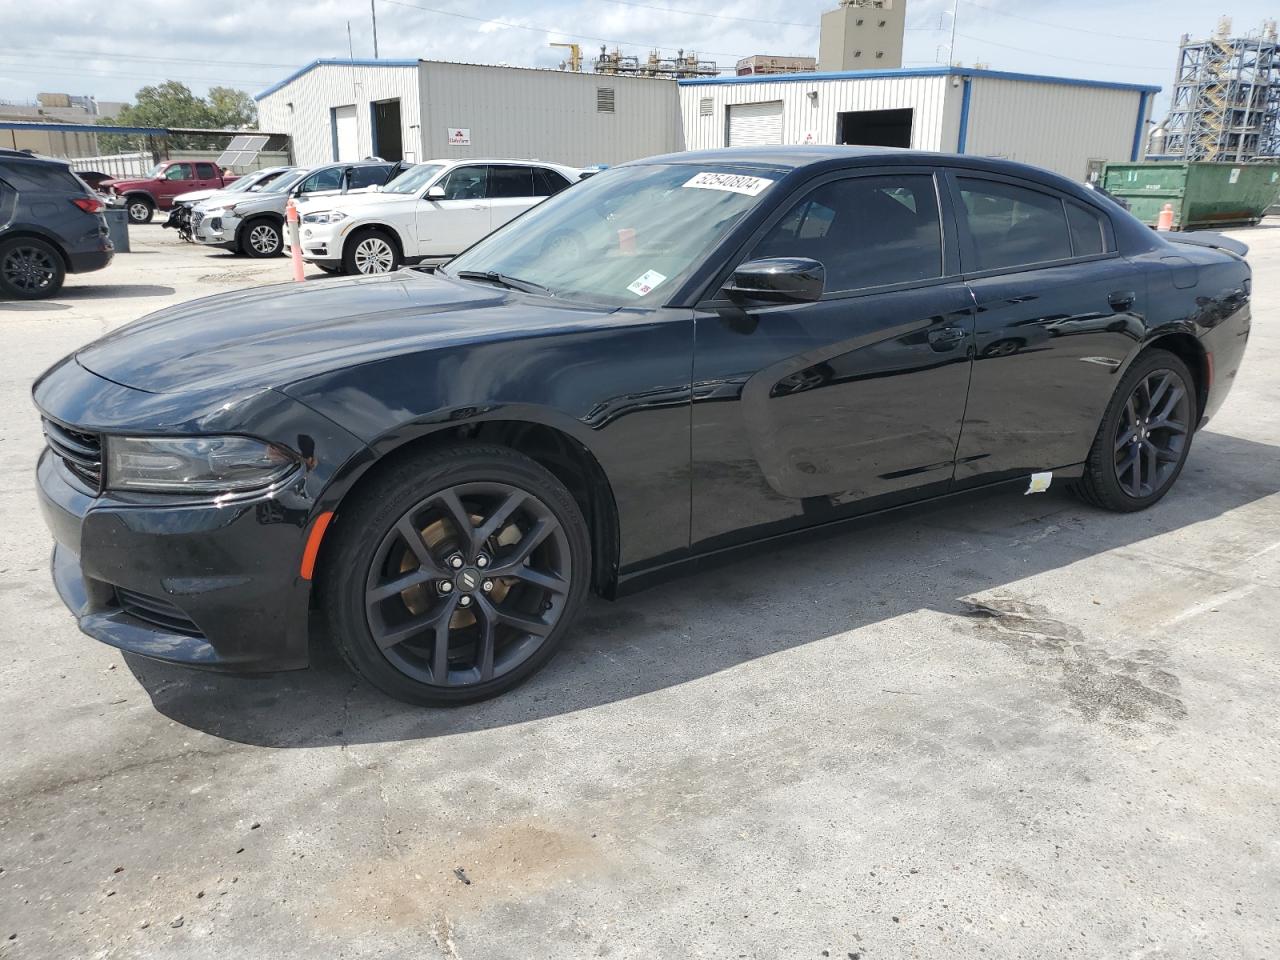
(295, 247)
(1166, 218)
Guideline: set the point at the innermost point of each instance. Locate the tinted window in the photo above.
(43, 176)
(1087, 234)
(328, 179)
(204, 171)
(179, 171)
(506, 182)
(466, 183)
(866, 231)
(1012, 226)
(368, 176)
(547, 182)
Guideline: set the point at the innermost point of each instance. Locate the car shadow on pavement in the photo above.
(929, 558)
(94, 291)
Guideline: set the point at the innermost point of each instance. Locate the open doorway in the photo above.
(387, 142)
(875, 128)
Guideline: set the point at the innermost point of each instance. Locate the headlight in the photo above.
(326, 216)
(194, 464)
(223, 207)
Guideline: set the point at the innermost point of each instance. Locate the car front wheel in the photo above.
(141, 209)
(370, 251)
(30, 269)
(455, 576)
(261, 238)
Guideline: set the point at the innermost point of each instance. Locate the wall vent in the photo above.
(704, 107)
(604, 100)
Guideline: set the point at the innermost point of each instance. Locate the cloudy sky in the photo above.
(109, 50)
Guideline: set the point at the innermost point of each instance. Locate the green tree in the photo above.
(172, 104)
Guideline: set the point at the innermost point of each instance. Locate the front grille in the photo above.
(162, 613)
(81, 452)
(196, 217)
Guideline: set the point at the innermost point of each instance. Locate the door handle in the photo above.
(1122, 299)
(945, 338)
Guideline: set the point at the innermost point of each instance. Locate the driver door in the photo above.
(810, 412)
(450, 225)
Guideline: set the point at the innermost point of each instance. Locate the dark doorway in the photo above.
(875, 128)
(387, 143)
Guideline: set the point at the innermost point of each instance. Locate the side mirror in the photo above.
(435, 193)
(777, 280)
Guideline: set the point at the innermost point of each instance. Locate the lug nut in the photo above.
(482, 561)
(487, 586)
(455, 561)
(464, 601)
(445, 586)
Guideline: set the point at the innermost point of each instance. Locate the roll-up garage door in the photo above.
(752, 124)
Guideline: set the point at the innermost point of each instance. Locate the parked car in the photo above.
(94, 178)
(143, 196)
(672, 360)
(255, 182)
(51, 224)
(254, 225)
(436, 209)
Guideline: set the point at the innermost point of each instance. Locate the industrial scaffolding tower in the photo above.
(1226, 98)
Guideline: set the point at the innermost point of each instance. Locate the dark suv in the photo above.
(51, 224)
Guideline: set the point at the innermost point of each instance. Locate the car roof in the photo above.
(8, 154)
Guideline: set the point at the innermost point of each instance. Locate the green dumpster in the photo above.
(1203, 194)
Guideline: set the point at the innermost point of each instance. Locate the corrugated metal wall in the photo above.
(814, 121)
(546, 114)
(332, 85)
(1057, 126)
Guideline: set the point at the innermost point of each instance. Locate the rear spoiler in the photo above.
(1203, 238)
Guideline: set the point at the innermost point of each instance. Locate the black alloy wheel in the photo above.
(466, 590)
(30, 269)
(1145, 436)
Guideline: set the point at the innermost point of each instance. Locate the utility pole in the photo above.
(373, 13)
(951, 50)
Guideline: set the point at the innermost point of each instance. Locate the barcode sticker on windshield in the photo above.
(729, 182)
(644, 283)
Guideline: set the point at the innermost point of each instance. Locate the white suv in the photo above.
(435, 209)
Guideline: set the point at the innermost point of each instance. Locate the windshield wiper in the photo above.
(511, 283)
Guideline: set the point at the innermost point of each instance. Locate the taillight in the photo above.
(88, 204)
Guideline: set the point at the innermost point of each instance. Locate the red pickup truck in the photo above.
(165, 181)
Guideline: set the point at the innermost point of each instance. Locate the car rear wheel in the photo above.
(261, 238)
(30, 269)
(1145, 436)
(369, 252)
(141, 209)
(455, 577)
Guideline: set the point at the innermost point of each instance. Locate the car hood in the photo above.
(355, 204)
(277, 335)
(195, 196)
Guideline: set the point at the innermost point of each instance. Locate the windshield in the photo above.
(626, 237)
(283, 184)
(413, 179)
(155, 171)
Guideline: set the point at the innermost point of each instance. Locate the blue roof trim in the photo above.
(79, 128)
(332, 62)
(919, 72)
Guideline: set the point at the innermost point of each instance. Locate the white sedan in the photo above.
(435, 209)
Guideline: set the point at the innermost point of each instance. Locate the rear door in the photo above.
(206, 177)
(512, 191)
(810, 412)
(1058, 311)
(449, 226)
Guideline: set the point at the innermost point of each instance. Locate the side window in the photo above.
(328, 179)
(368, 176)
(1088, 234)
(1013, 226)
(204, 171)
(467, 183)
(46, 176)
(866, 231)
(510, 182)
(547, 183)
(179, 171)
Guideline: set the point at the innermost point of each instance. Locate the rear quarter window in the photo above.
(1088, 230)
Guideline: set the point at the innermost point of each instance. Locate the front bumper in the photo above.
(204, 584)
(215, 229)
(321, 243)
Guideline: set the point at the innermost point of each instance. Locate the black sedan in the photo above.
(674, 359)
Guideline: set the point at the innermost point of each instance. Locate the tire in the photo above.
(141, 208)
(370, 251)
(30, 268)
(1145, 436)
(389, 636)
(261, 239)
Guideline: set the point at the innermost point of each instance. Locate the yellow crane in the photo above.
(574, 63)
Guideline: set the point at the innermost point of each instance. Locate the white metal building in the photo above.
(1066, 125)
(421, 109)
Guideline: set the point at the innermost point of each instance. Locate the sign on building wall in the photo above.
(459, 137)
